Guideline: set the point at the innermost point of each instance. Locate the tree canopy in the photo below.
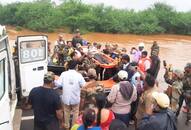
(42, 15)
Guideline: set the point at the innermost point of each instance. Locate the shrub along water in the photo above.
(42, 15)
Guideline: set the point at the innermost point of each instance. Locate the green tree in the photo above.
(42, 15)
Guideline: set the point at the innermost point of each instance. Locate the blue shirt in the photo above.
(44, 102)
(93, 128)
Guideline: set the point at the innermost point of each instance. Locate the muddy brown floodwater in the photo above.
(175, 49)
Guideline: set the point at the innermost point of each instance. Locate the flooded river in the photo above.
(175, 49)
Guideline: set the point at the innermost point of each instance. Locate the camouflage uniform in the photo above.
(186, 95)
(88, 95)
(63, 53)
(176, 92)
(187, 82)
(87, 63)
(175, 87)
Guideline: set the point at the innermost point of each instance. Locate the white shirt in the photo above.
(71, 82)
(134, 79)
(125, 66)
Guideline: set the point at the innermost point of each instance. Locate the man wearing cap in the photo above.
(71, 82)
(121, 96)
(137, 55)
(176, 87)
(162, 118)
(88, 95)
(46, 105)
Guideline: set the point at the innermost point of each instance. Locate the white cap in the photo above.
(122, 74)
(141, 44)
(162, 99)
(179, 73)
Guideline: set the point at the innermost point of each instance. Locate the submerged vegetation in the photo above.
(46, 17)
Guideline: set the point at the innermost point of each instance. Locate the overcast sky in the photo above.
(179, 5)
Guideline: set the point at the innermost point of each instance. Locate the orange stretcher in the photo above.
(107, 83)
(104, 61)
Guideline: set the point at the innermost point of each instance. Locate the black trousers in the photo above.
(53, 125)
(134, 107)
(181, 99)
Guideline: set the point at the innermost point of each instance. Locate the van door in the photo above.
(5, 115)
(32, 53)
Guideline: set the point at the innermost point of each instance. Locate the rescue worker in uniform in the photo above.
(88, 95)
(59, 42)
(186, 95)
(77, 38)
(176, 87)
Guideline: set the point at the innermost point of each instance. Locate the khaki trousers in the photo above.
(68, 110)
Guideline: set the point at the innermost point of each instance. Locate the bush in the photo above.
(18, 28)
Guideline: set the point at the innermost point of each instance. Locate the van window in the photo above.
(2, 79)
(32, 51)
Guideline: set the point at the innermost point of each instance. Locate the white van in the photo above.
(19, 72)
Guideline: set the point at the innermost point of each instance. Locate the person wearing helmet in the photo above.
(162, 117)
(46, 104)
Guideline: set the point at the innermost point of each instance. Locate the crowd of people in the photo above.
(134, 99)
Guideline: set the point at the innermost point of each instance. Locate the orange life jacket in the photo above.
(142, 63)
